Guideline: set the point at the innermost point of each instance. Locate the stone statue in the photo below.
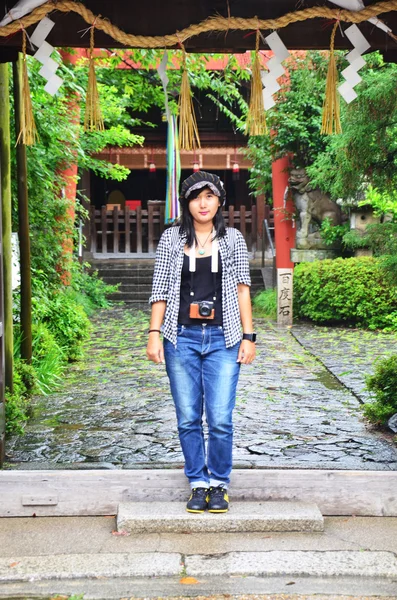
(313, 206)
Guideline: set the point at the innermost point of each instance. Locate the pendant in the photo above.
(201, 252)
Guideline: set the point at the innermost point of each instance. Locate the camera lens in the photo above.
(205, 309)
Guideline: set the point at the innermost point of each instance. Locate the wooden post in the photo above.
(104, 226)
(116, 233)
(231, 216)
(284, 233)
(150, 217)
(93, 229)
(5, 165)
(85, 189)
(138, 229)
(254, 226)
(260, 213)
(127, 230)
(2, 383)
(23, 220)
(243, 222)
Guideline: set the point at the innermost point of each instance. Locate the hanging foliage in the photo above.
(93, 117)
(28, 134)
(331, 107)
(256, 118)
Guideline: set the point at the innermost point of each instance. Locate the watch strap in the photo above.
(249, 336)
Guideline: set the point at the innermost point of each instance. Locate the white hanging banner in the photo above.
(350, 74)
(356, 38)
(53, 85)
(276, 70)
(49, 68)
(22, 8)
(43, 55)
(357, 5)
(44, 52)
(41, 31)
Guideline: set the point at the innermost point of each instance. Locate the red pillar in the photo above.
(68, 171)
(284, 231)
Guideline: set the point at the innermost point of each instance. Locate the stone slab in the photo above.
(300, 563)
(75, 566)
(215, 588)
(163, 517)
(299, 255)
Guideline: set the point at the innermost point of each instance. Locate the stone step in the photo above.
(121, 273)
(334, 564)
(135, 296)
(171, 517)
(267, 278)
(141, 288)
(129, 280)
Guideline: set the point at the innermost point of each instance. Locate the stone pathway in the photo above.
(348, 353)
(115, 409)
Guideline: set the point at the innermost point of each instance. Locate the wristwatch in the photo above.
(249, 336)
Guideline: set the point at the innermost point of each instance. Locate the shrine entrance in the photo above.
(97, 491)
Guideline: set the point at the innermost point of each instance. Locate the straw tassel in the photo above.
(28, 134)
(93, 117)
(188, 131)
(331, 108)
(256, 118)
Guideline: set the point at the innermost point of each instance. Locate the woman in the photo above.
(201, 292)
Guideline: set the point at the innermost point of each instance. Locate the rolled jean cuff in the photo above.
(199, 484)
(217, 483)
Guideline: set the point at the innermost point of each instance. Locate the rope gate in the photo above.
(256, 122)
(216, 23)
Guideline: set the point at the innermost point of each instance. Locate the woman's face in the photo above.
(203, 208)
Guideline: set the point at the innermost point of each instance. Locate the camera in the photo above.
(202, 310)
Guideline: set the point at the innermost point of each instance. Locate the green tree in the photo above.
(294, 123)
(366, 151)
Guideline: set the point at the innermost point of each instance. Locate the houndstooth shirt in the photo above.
(167, 280)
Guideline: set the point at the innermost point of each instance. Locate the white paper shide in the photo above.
(43, 55)
(350, 74)
(276, 70)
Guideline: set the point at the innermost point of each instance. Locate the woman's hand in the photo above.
(154, 348)
(246, 353)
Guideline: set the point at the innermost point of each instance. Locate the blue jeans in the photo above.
(204, 373)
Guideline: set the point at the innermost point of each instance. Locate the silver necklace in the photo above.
(202, 249)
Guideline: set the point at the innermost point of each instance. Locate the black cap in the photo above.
(199, 180)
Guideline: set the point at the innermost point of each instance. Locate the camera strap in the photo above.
(214, 264)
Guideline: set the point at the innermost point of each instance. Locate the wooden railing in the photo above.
(135, 233)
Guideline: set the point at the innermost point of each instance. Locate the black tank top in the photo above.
(203, 283)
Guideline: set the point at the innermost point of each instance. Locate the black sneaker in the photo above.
(218, 500)
(198, 500)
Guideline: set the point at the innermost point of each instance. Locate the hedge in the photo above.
(352, 291)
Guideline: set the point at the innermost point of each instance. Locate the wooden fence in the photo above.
(122, 233)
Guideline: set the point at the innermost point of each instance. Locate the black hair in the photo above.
(186, 219)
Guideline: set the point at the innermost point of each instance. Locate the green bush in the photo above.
(48, 359)
(352, 291)
(383, 383)
(91, 291)
(65, 318)
(265, 304)
(17, 404)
